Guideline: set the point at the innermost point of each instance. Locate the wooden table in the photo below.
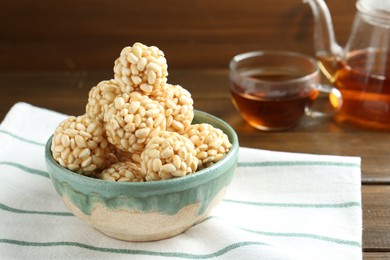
(67, 92)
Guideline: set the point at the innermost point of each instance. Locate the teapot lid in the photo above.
(376, 8)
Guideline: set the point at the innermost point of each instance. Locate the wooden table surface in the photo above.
(67, 92)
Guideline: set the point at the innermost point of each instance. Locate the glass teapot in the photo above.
(360, 70)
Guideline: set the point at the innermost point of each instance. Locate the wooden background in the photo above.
(89, 34)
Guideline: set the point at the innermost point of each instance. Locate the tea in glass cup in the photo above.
(273, 90)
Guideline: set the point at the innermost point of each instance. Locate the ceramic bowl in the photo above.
(147, 211)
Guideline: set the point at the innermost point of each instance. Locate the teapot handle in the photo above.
(335, 100)
(324, 37)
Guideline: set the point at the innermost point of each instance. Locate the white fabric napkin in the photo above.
(279, 206)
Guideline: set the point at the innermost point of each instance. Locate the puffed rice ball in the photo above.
(100, 96)
(79, 144)
(211, 144)
(178, 105)
(141, 68)
(122, 172)
(131, 120)
(168, 155)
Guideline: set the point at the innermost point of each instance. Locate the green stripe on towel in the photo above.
(305, 235)
(26, 169)
(133, 251)
(290, 234)
(21, 211)
(295, 163)
(297, 205)
(21, 138)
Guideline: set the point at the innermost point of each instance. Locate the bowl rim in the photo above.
(168, 185)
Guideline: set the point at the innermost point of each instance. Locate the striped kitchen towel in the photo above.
(279, 206)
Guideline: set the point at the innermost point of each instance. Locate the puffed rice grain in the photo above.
(211, 144)
(141, 68)
(79, 144)
(122, 172)
(131, 120)
(168, 155)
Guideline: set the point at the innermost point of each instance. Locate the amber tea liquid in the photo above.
(364, 82)
(273, 109)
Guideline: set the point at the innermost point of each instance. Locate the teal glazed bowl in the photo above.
(147, 211)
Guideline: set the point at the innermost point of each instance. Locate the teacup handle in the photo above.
(335, 100)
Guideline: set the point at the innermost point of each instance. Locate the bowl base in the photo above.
(142, 226)
(145, 237)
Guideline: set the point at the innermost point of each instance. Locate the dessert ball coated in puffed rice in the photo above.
(168, 155)
(131, 120)
(211, 144)
(79, 144)
(100, 96)
(178, 105)
(122, 172)
(141, 68)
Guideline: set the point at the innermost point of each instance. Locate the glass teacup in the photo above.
(273, 90)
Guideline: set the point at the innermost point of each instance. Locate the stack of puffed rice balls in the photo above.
(137, 127)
